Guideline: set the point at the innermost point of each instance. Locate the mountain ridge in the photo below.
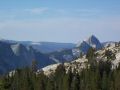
(15, 54)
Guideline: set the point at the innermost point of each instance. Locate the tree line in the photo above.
(98, 76)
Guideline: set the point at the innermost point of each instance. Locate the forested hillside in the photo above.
(96, 76)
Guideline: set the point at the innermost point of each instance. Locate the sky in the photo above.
(59, 20)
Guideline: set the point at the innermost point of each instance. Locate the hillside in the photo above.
(14, 54)
(111, 53)
(97, 70)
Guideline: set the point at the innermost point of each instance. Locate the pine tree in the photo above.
(75, 82)
(90, 55)
(104, 82)
(34, 66)
(6, 84)
(50, 85)
(41, 82)
(67, 79)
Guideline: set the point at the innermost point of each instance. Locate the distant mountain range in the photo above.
(14, 56)
(19, 54)
(48, 47)
(43, 47)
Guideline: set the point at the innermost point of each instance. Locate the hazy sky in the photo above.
(59, 20)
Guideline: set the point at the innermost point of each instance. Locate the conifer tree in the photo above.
(90, 55)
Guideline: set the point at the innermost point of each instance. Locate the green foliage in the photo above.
(97, 77)
(90, 55)
(34, 66)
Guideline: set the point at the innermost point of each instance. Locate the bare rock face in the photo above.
(92, 41)
(82, 63)
(77, 65)
(115, 49)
